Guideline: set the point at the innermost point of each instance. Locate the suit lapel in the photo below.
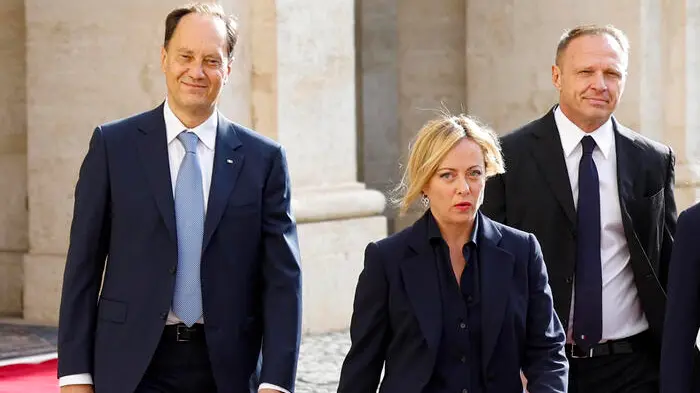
(227, 166)
(153, 151)
(420, 276)
(628, 164)
(549, 156)
(496, 267)
(629, 156)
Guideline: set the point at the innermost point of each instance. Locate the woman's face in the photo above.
(456, 190)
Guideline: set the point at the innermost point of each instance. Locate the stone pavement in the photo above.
(320, 359)
(21, 340)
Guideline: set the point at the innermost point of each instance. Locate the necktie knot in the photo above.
(588, 144)
(189, 140)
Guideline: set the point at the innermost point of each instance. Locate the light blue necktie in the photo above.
(189, 216)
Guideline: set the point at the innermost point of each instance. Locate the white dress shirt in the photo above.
(206, 132)
(622, 309)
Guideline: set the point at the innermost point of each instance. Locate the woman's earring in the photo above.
(425, 201)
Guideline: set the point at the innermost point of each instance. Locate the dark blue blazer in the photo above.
(124, 225)
(397, 317)
(680, 368)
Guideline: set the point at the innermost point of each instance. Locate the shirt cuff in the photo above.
(273, 387)
(75, 379)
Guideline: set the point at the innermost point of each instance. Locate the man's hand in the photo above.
(77, 389)
(522, 379)
(263, 391)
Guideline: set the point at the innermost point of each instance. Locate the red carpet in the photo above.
(29, 378)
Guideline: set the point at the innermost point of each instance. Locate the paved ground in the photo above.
(25, 340)
(319, 362)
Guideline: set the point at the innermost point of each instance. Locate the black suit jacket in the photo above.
(397, 318)
(124, 225)
(680, 363)
(535, 195)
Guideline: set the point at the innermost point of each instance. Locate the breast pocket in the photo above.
(648, 218)
(654, 196)
(651, 206)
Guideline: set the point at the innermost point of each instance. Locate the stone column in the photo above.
(671, 97)
(13, 156)
(303, 62)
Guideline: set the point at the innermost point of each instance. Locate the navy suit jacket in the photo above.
(679, 357)
(397, 318)
(124, 226)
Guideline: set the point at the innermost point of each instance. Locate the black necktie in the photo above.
(588, 303)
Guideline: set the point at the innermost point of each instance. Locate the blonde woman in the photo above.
(457, 302)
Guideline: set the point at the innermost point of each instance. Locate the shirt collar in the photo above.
(206, 132)
(434, 230)
(571, 134)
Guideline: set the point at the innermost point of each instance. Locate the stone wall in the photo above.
(291, 81)
(13, 156)
(412, 67)
(343, 86)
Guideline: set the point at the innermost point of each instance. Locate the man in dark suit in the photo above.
(680, 368)
(599, 198)
(186, 216)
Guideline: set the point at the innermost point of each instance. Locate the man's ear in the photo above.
(163, 58)
(556, 77)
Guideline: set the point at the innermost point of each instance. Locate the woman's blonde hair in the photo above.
(434, 140)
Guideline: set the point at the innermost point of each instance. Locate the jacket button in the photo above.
(569, 280)
(173, 270)
(164, 316)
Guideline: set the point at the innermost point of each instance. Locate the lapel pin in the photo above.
(229, 161)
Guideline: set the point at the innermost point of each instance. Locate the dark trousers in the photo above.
(636, 372)
(180, 364)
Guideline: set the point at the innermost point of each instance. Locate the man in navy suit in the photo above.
(679, 357)
(183, 266)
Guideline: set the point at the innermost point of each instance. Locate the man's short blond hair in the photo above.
(589, 30)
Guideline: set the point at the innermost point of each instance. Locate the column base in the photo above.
(335, 225)
(332, 256)
(10, 284)
(43, 278)
(336, 202)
